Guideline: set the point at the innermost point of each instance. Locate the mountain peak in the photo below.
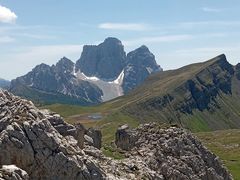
(41, 66)
(141, 51)
(65, 65)
(222, 62)
(219, 58)
(222, 56)
(140, 64)
(141, 55)
(143, 48)
(105, 61)
(112, 40)
(64, 61)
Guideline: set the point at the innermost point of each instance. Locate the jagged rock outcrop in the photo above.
(125, 137)
(104, 61)
(28, 140)
(171, 153)
(96, 136)
(65, 129)
(90, 136)
(11, 172)
(56, 84)
(140, 64)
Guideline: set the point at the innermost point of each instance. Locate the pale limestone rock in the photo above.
(29, 140)
(11, 172)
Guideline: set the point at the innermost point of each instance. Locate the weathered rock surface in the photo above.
(28, 140)
(125, 137)
(65, 129)
(11, 172)
(171, 153)
(96, 136)
(90, 136)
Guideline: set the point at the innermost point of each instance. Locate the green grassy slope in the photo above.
(112, 117)
(226, 145)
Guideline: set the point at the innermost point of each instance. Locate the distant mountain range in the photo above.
(201, 97)
(4, 83)
(102, 73)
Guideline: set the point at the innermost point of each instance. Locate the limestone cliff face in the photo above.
(29, 140)
(104, 61)
(11, 172)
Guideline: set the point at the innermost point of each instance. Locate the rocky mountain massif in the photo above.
(203, 96)
(54, 84)
(102, 73)
(45, 147)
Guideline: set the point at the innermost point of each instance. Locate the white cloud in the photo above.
(124, 26)
(6, 15)
(157, 39)
(6, 39)
(214, 10)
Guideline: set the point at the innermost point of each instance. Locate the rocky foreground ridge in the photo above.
(46, 147)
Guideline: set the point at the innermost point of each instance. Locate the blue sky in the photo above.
(177, 32)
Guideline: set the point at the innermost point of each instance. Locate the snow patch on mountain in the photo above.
(92, 78)
(111, 89)
(119, 80)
